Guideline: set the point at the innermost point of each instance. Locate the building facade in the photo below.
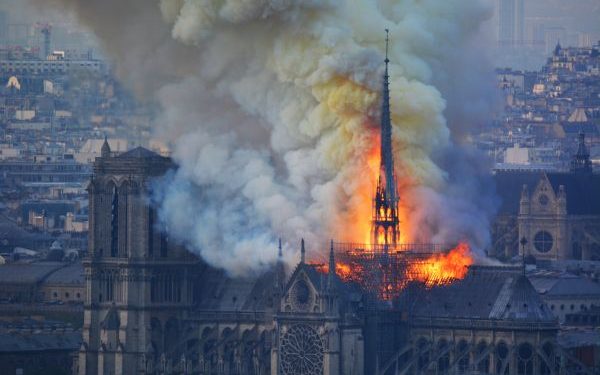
(557, 214)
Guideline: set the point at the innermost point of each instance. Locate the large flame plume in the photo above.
(271, 108)
(387, 282)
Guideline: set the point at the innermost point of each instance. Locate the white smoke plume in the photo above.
(271, 108)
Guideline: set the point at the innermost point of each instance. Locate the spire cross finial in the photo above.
(387, 42)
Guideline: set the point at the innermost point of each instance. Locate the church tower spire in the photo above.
(581, 161)
(385, 225)
(331, 273)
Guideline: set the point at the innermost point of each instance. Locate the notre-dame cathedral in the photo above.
(154, 308)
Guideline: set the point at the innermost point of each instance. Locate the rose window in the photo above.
(301, 351)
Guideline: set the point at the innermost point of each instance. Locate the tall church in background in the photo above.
(511, 22)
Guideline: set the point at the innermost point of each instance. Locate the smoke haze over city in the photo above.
(310, 187)
(292, 161)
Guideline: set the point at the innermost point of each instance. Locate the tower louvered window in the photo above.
(114, 224)
(150, 231)
(164, 243)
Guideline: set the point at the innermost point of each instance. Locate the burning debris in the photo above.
(386, 271)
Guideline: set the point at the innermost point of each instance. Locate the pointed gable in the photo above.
(111, 320)
(302, 290)
(581, 190)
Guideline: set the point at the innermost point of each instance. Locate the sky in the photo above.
(575, 16)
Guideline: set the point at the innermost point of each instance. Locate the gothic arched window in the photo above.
(423, 354)
(546, 362)
(577, 253)
(164, 244)
(483, 357)
(114, 223)
(150, 231)
(463, 353)
(525, 359)
(502, 360)
(444, 356)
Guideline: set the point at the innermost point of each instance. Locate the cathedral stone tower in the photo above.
(139, 284)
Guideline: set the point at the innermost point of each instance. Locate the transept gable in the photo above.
(543, 199)
(302, 290)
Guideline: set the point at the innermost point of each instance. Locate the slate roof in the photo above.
(17, 236)
(583, 190)
(72, 274)
(564, 285)
(139, 153)
(11, 342)
(485, 293)
(27, 273)
(223, 293)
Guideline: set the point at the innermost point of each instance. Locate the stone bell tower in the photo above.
(139, 284)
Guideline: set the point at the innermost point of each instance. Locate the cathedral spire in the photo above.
(385, 224)
(387, 158)
(105, 150)
(302, 252)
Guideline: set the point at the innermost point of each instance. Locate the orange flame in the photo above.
(442, 269)
(343, 270)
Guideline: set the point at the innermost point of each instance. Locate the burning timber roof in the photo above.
(582, 190)
(485, 293)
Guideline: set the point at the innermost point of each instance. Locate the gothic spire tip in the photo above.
(280, 252)
(387, 42)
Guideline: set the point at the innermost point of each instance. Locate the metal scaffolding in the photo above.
(385, 270)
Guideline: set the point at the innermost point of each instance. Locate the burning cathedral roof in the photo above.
(486, 293)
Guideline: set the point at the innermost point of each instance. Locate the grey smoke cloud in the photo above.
(271, 108)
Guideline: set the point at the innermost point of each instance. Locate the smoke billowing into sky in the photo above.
(272, 107)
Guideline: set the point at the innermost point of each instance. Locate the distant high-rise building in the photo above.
(511, 22)
(3, 26)
(553, 36)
